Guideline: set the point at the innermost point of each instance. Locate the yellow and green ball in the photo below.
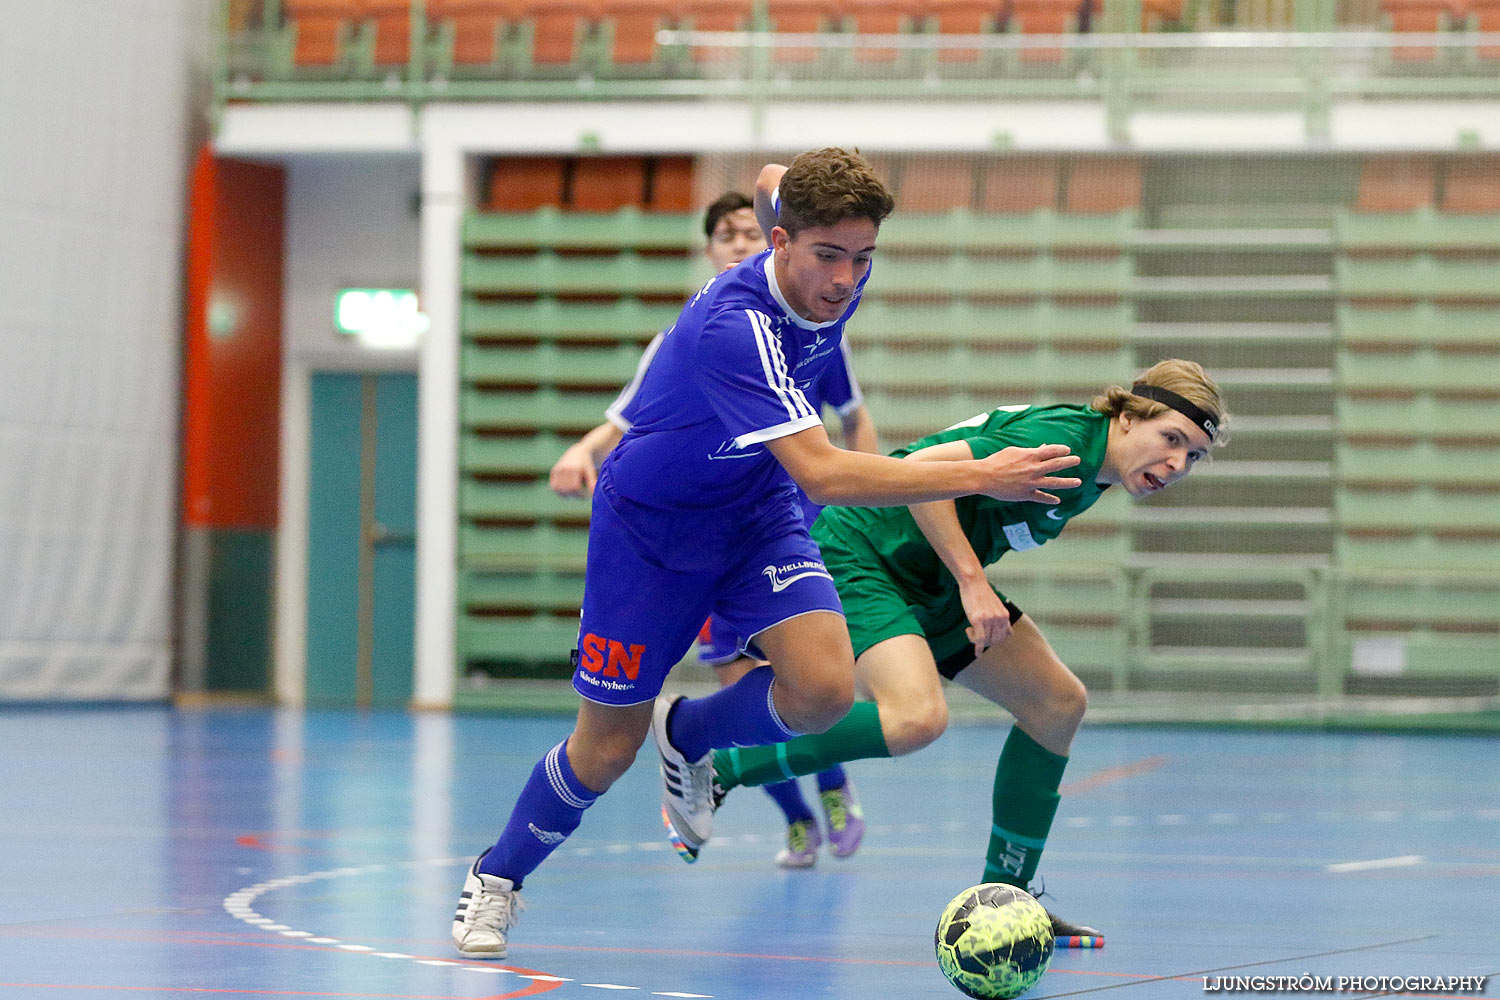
(994, 941)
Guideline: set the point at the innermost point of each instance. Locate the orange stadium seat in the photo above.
(322, 28)
(525, 183)
(671, 185)
(1418, 16)
(1484, 15)
(1155, 13)
(1103, 185)
(475, 25)
(607, 183)
(881, 17)
(800, 17)
(936, 185)
(1396, 184)
(964, 17)
(392, 20)
(1020, 184)
(714, 15)
(1472, 184)
(633, 27)
(1045, 17)
(556, 29)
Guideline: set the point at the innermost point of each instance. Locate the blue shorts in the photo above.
(724, 644)
(654, 575)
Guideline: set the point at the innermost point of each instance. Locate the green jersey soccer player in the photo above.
(920, 607)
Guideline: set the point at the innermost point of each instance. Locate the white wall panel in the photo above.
(96, 102)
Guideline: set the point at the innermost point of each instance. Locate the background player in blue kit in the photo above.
(697, 510)
(733, 233)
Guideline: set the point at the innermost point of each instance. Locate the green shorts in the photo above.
(877, 608)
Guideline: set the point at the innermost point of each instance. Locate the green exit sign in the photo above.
(379, 317)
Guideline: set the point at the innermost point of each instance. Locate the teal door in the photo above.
(361, 545)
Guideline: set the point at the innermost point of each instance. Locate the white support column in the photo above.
(443, 199)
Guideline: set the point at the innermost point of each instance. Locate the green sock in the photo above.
(1026, 780)
(856, 736)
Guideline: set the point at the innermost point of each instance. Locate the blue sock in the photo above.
(741, 715)
(788, 796)
(832, 778)
(550, 808)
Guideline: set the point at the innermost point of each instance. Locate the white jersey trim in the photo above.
(769, 266)
(779, 431)
(615, 414)
(773, 366)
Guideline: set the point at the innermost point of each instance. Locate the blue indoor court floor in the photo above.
(153, 852)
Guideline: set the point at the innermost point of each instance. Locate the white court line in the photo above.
(1404, 861)
(238, 905)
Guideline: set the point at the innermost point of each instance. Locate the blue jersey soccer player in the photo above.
(696, 511)
(733, 233)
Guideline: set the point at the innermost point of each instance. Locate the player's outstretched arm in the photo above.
(832, 476)
(577, 470)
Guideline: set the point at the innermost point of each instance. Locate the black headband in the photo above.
(1203, 418)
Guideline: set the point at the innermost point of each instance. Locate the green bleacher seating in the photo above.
(549, 228)
(511, 501)
(1039, 321)
(1417, 416)
(1422, 322)
(624, 320)
(544, 409)
(1461, 463)
(509, 455)
(549, 273)
(1040, 230)
(1422, 370)
(525, 588)
(1028, 275)
(1420, 276)
(529, 639)
(529, 546)
(1422, 230)
(549, 364)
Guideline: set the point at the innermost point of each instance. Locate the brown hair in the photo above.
(1186, 378)
(824, 187)
(729, 201)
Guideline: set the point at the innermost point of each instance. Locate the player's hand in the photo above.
(989, 618)
(1025, 474)
(574, 474)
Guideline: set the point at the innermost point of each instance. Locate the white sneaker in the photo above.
(689, 795)
(488, 908)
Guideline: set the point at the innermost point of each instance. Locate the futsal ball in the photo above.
(994, 941)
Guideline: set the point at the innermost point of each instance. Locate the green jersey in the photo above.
(993, 527)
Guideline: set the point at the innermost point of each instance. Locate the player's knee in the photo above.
(913, 725)
(1069, 703)
(603, 760)
(817, 705)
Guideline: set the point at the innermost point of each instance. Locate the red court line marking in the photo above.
(1112, 775)
(185, 938)
(254, 841)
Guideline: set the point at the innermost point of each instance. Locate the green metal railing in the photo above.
(1306, 69)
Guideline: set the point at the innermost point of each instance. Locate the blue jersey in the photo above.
(738, 368)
